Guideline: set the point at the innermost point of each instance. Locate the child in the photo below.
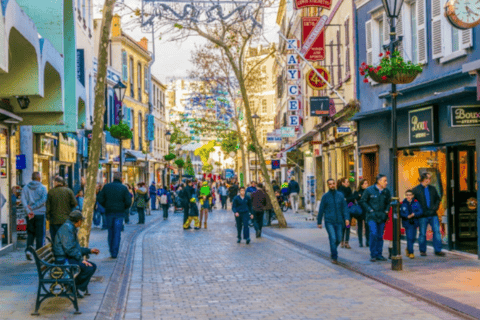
(410, 211)
(192, 215)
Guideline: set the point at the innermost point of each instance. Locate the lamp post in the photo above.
(255, 118)
(392, 9)
(120, 89)
(168, 136)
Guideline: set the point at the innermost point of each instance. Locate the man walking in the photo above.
(376, 203)
(60, 203)
(429, 200)
(294, 190)
(334, 207)
(233, 191)
(186, 195)
(34, 197)
(115, 198)
(259, 201)
(152, 190)
(242, 208)
(251, 189)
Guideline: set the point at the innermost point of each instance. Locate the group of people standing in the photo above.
(371, 205)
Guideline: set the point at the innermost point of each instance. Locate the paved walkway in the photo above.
(205, 274)
(453, 280)
(18, 281)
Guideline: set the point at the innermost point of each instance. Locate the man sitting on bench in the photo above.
(67, 250)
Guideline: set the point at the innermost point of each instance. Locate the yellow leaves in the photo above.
(137, 12)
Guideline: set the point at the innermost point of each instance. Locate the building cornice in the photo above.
(130, 42)
(361, 3)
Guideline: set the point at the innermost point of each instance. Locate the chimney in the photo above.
(144, 43)
(116, 26)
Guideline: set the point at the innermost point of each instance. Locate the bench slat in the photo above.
(45, 254)
(42, 249)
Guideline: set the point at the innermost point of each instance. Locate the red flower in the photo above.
(364, 64)
(376, 71)
(380, 55)
(384, 78)
(388, 52)
(362, 73)
(371, 69)
(379, 68)
(365, 80)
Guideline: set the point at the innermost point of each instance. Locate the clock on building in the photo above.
(463, 14)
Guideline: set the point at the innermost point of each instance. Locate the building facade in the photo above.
(160, 144)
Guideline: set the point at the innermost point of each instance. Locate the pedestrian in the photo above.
(334, 208)
(186, 195)
(259, 202)
(193, 215)
(34, 198)
(294, 191)
(79, 197)
(268, 210)
(429, 200)
(99, 214)
(376, 202)
(205, 203)
(242, 208)
(67, 249)
(152, 190)
(133, 208)
(142, 201)
(223, 192)
(60, 203)
(361, 222)
(410, 211)
(232, 191)
(116, 199)
(165, 199)
(251, 189)
(275, 186)
(343, 185)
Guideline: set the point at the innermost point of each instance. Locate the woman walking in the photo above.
(361, 220)
(141, 199)
(223, 192)
(344, 187)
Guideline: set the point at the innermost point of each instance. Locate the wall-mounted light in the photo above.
(23, 102)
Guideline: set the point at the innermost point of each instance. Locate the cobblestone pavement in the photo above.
(205, 274)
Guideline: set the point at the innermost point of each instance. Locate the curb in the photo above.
(444, 303)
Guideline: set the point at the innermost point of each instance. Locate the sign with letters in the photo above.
(420, 126)
(287, 132)
(313, 38)
(293, 44)
(465, 116)
(293, 74)
(319, 106)
(293, 90)
(313, 3)
(293, 121)
(81, 66)
(293, 105)
(314, 81)
(292, 59)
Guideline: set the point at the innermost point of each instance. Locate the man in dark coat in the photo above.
(259, 202)
(115, 198)
(376, 203)
(60, 203)
(242, 208)
(233, 191)
(152, 190)
(429, 201)
(294, 191)
(344, 187)
(334, 208)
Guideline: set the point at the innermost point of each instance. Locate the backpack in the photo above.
(163, 199)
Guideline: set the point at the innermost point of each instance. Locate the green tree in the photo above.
(189, 167)
(180, 163)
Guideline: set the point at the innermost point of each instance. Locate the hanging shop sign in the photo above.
(293, 74)
(293, 105)
(274, 137)
(343, 129)
(293, 121)
(287, 132)
(327, 4)
(45, 146)
(81, 66)
(420, 126)
(275, 164)
(465, 116)
(319, 106)
(315, 82)
(293, 90)
(313, 38)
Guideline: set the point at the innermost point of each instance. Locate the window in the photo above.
(139, 81)
(264, 106)
(146, 77)
(84, 13)
(140, 130)
(339, 58)
(455, 41)
(90, 14)
(132, 95)
(132, 119)
(347, 48)
(413, 24)
(124, 66)
(331, 63)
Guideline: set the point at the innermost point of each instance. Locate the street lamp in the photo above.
(168, 136)
(120, 89)
(256, 118)
(392, 9)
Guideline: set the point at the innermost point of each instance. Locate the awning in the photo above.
(138, 155)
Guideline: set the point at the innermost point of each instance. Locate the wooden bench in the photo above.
(54, 280)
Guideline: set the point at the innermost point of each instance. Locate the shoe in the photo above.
(187, 228)
(257, 234)
(407, 254)
(248, 241)
(342, 244)
(423, 254)
(373, 259)
(411, 256)
(347, 246)
(381, 258)
(334, 261)
(361, 245)
(29, 255)
(239, 240)
(80, 294)
(440, 254)
(196, 228)
(390, 253)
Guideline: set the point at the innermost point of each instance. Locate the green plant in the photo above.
(189, 167)
(180, 163)
(121, 131)
(169, 157)
(390, 65)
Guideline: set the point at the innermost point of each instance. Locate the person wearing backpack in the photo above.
(164, 200)
(141, 199)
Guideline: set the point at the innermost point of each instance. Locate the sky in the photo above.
(173, 58)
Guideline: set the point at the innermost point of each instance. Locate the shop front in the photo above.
(5, 185)
(67, 157)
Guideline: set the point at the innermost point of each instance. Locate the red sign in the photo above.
(313, 3)
(314, 81)
(317, 49)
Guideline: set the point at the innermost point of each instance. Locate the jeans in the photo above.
(186, 210)
(411, 233)
(376, 238)
(335, 232)
(437, 238)
(360, 222)
(258, 220)
(36, 231)
(242, 220)
(294, 201)
(104, 221)
(153, 201)
(165, 210)
(114, 223)
(86, 273)
(97, 218)
(53, 231)
(141, 215)
(346, 232)
(223, 199)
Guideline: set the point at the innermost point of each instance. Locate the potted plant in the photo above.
(392, 69)
(121, 131)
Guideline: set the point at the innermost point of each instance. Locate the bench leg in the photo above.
(37, 303)
(75, 299)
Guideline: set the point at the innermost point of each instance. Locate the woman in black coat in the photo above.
(360, 221)
(344, 187)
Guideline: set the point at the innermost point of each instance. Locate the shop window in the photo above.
(349, 163)
(463, 170)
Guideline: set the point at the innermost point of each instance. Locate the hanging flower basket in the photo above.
(121, 131)
(392, 69)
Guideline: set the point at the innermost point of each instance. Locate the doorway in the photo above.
(370, 167)
(463, 198)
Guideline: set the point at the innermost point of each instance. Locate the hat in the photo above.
(193, 200)
(153, 182)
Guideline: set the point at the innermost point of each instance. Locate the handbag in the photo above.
(354, 210)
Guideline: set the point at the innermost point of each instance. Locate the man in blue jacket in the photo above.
(152, 190)
(242, 208)
(334, 207)
(294, 191)
(115, 198)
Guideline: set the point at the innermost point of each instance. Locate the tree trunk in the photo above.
(242, 150)
(99, 111)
